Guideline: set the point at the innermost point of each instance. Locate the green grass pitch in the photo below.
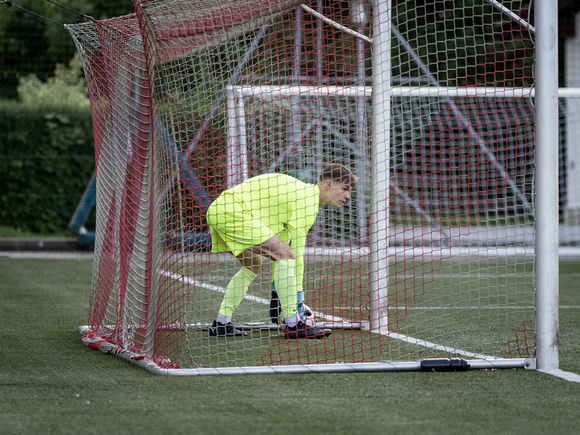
(51, 383)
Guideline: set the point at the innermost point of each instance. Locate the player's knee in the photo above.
(255, 268)
(251, 261)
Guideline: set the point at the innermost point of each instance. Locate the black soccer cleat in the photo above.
(275, 308)
(218, 329)
(302, 330)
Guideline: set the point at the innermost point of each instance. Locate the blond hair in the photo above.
(338, 173)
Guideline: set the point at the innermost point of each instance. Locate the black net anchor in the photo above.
(444, 365)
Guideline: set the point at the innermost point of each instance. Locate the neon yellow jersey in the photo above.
(281, 202)
(277, 203)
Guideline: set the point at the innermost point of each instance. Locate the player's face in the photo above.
(337, 193)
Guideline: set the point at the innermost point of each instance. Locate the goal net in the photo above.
(430, 105)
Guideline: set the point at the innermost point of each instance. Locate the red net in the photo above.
(431, 256)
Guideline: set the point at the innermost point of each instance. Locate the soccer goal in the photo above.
(433, 264)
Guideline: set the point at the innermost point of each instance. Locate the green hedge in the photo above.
(46, 161)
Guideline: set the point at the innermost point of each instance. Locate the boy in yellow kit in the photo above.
(270, 216)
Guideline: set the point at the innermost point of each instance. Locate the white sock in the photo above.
(292, 320)
(223, 319)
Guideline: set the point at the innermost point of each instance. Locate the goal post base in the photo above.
(427, 365)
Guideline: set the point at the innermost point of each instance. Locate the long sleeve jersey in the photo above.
(285, 205)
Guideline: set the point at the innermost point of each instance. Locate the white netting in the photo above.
(193, 97)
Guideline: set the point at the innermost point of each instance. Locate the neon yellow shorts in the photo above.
(232, 226)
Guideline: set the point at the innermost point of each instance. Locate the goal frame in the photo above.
(546, 228)
(238, 156)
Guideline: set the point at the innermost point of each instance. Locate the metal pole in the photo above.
(547, 321)
(359, 17)
(381, 138)
(237, 153)
(512, 15)
(296, 127)
(319, 74)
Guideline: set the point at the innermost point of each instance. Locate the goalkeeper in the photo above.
(270, 216)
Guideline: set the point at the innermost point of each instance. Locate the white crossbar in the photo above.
(396, 91)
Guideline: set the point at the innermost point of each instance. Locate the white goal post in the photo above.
(448, 246)
(547, 293)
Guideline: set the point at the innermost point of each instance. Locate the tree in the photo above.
(30, 44)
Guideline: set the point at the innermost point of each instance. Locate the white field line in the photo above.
(428, 344)
(568, 376)
(450, 307)
(188, 280)
(455, 307)
(381, 331)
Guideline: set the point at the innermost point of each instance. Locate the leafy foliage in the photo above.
(464, 43)
(31, 44)
(46, 159)
(66, 89)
